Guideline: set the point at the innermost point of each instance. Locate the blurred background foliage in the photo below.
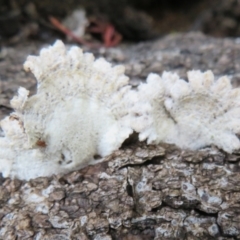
(134, 20)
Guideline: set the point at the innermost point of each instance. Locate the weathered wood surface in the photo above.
(140, 192)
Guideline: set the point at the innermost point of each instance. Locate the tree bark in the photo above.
(139, 192)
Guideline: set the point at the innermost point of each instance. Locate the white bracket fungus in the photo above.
(80, 110)
(191, 114)
(85, 107)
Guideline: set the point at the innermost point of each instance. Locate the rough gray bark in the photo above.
(140, 192)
